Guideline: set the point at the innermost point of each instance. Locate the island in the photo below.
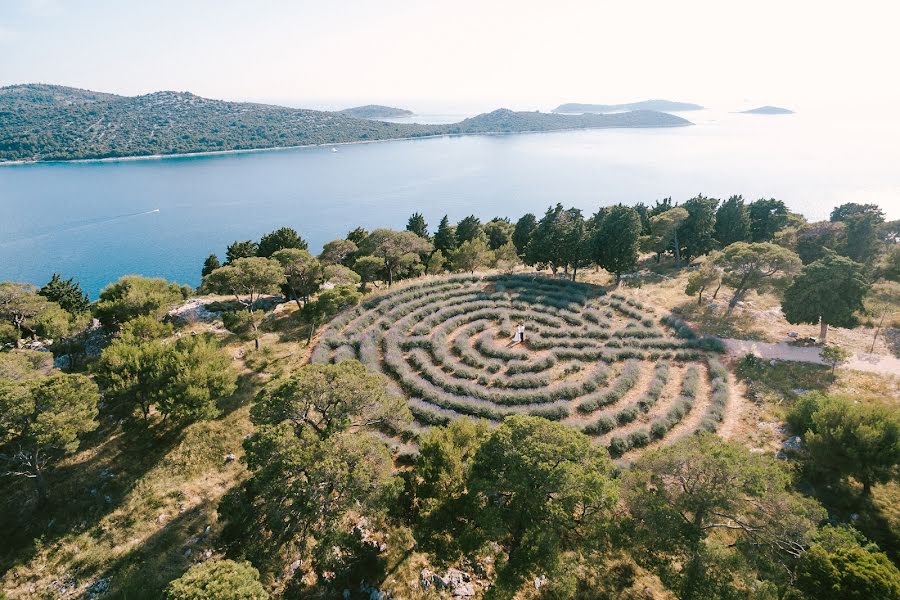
(768, 110)
(375, 111)
(40, 122)
(658, 105)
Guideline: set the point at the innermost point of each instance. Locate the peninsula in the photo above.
(41, 122)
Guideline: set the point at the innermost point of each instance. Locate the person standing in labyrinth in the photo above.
(520, 332)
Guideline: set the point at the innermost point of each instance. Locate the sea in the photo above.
(161, 217)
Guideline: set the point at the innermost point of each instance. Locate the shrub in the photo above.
(218, 580)
(618, 446)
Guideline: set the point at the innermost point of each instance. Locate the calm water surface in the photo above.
(161, 217)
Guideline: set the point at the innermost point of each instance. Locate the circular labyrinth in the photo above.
(606, 364)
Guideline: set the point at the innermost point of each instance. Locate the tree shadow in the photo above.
(713, 321)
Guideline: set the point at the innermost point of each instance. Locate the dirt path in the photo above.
(873, 363)
(737, 400)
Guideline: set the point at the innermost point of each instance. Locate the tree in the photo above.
(829, 291)
(847, 211)
(338, 252)
(340, 275)
(522, 233)
(435, 264)
(840, 565)
(67, 293)
(575, 237)
(134, 296)
(506, 257)
(327, 304)
(663, 236)
(845, 438)
(815, 240)
(499, 232)
(882, 300)
(661, 206)
(181, 380)
(280, 239)
(677, 496)
(697, 233)
(331, 398)
(767, 217)
(218, 580)
(369, 269)
(732, 222)
(247, 279)
(469, 228)
(42, 420)
(756, 266)
(311, 464)
(210, 264)
(704, 278)
(537, 488)
(245, 249)
(546, 248)
(445, 237)
(834, 356)
(393, 247)
(863, 236)
(418, 226)
(357, 236)
(618, 240)
(28, 312)
(890, 268)
(302, 273)
(644, 213)
(471, 255)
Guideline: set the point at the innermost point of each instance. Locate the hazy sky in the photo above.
(488, 53)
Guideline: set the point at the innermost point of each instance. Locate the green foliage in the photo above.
(537, 487)
(210, 264)
(369, 268)
(27, 312)
(767, 217)
(839, 566)
(327, 304)
(522, 233)
(280, 239)
(240, 249)
(181, 380)
(445, 237)
(506, 257)
(499, 232)
(832, 288)
(41, 420)
(330, 399)
(218, 580)
(835, 356)
(851, 439)
(418, 226)
(472, 254)
(559, 241)
(697, 233)
(302, 272)
(340, 275)
(134, 296)
(246, 279)
(470, 228)
(395, 248)
(66, 293)
(436, 263)
(678, 496)
(732, 222)
(338, 252)
(617, 240)
(707, 277)
(663, 237)
(755, 266)
(814, 241)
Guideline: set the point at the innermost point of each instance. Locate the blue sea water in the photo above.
(161, 217)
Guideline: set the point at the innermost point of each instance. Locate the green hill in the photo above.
(375, 111)
(47, 122)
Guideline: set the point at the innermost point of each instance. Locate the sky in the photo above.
(451, 54)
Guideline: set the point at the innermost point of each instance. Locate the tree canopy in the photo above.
(767, 217)
(732, 222)
(67, 293)
(280, 239)
(755, 266)
(134, 296)
(218, 580)
(618, 240)
(393, 247)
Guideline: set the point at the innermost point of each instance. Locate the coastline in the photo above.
(298, 147)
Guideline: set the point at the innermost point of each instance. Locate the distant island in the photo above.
(375, 111)
(41, 122)
(658, 105)
(768, 110)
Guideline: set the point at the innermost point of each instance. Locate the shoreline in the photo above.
(12, 163)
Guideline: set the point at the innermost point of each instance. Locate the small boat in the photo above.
(334, 149)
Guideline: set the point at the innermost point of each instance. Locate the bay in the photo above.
(161, 217)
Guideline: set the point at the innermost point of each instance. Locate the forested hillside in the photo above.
(46, 122)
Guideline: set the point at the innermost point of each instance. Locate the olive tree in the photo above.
(393, 247)
(302, 273)
(247, 279)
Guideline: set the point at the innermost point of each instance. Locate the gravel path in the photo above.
(873, 363)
